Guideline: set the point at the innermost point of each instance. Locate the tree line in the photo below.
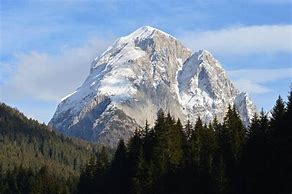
(204, 158)
(34, 159)
(167, 158)
(20, 180)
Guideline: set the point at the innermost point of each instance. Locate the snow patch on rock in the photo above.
(140, 74)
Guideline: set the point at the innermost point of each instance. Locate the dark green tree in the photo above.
(287, 145)
(280, 145)
(87, 178)
(160, 142)
(231, 142)
(276, 141)
(188, 129)
(119, 170)
(100, 176)
(254, 163)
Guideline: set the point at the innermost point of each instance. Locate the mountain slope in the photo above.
(27, 143)
(137, 76)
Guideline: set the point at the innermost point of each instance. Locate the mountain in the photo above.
(140, 74)
(25, 142)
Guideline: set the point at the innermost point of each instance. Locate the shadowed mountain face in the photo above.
(137, 76)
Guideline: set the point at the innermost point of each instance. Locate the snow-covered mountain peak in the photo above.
(206, 57)
(201, 69)
(145, 40)
(141, 34)
(140, 74)
(145, 32)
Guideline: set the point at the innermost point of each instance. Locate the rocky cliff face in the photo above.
(140, 74)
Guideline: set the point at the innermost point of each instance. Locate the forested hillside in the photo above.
(213, 158)
(30, 149)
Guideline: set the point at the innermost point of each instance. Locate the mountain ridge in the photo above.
(138, 75)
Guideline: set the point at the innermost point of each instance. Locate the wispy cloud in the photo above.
(50, 77)
(256, 80)
(243, 40)
(251, 87)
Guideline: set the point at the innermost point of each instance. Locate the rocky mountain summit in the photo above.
(140, 74)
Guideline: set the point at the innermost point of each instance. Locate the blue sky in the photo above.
(46, 46)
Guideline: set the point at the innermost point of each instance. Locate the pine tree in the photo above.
(148, 141)
(192, 161)
(254, 162)
(254, 128)
(222, 181)
(87, 178)
(146, 130)
(142, 179)
(231, 142)
(134, 148)
(280, 139)
(289, 106)
(188, 129)
(196, 142)
(175, 145)
(207, 148)
(278, 113)
(135, 159)
(287, 145)
(275, 141)
(100, 176)
(233, 136)
(159, 155)
(119, 171)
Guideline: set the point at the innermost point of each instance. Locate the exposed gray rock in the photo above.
(140, 74)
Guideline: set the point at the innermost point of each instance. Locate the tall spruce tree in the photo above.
(231, 142)
(119, 170)
(100, 177)
(175, 147)
(188, 129)
(254, 163)
(148, 141)
(136, 161)
(233, 136)
(280, 140)
(87, 178)
(160, 142)
(196, 143)
(192, 162)
(277, 145)
(287, 145)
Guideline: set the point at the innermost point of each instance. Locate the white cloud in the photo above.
(256, 80)
(250, 87)
(262, 75)
(242, 40)
(50, 77)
